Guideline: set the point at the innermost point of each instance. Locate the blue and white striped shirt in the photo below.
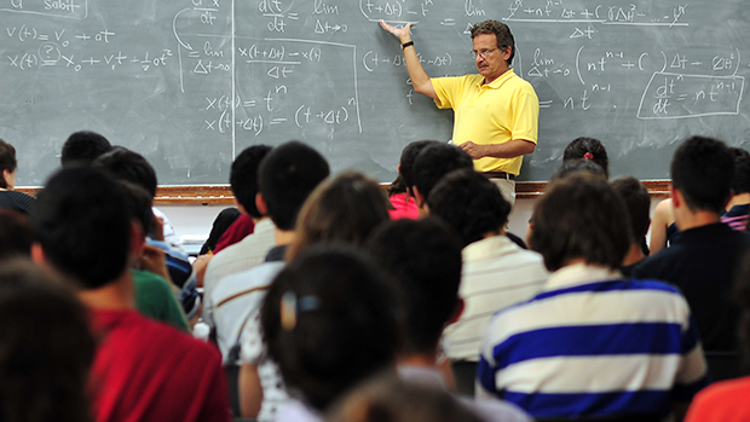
(594, 345)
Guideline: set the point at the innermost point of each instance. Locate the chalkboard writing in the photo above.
(190, 83)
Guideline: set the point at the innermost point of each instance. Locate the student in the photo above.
(10, 199)
(590, 149)
(143, 370)
(15, 234)
(250, 251)
(83, 147)
(638, 203)
(738, 208)
(591, 344)
(330, 322)
(431, 165)
(704, 259)
(47, 348)
(424, 258)
(399, 192)
(497, 273)
(344, 209)
(286, 177)
(664, 230)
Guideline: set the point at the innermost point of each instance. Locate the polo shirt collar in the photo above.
(578, 275)
(497, 83)
(489, 248)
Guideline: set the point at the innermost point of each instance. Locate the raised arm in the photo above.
(419, 78)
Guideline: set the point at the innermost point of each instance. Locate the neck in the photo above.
(687, 219)
(741, 199)
(258, 220)
(423, 360)
(284, 237)
(118, 295)
(634, 255)
(489, 81)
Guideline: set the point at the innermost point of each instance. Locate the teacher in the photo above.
(496, 112)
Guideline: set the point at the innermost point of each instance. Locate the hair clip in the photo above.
(292, 306)
(588, 156)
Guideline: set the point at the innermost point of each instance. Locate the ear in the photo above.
(458, 310)
(677, 199)
(260, 203)
(37, 254)
(506, 53)
(137, 238)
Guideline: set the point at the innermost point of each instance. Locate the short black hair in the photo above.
(638, 203)
(588, 149)
(425, 259)
(337, 324)
(702, 170)
(502, 33)
(578, 165)
(47, 347)
(286, 177)
(244, 177)
(741, 179)
(82, 221)
(141, 204)
(128, 165)
(581, 216)
(84, 147)
(405, 179)
(7, 161)
(470, 203)
(436, 161)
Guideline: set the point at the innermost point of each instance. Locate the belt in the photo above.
(500, 175)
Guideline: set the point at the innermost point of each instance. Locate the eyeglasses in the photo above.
(483, 53)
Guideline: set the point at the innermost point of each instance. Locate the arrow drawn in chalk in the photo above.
(174, 29)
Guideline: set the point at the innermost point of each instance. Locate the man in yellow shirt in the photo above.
(496, 112)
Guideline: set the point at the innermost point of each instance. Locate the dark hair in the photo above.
(742, 296)
(141, 203)
(338, 324)
(84, 147)
(436, 161)
(286, 177)
(741, 179)
(580, 216)
(578, 165)
(244, 177)
(588, 149)
(15, 234)
(425, 259)
(226, 218)
(702, 170)
(638, 203)
(343, 209)
(405, 179)
(7, 161)
(82, 221)
(471, 205)
(391, 399)
(47, 348)
(501, 31)
(128, 165)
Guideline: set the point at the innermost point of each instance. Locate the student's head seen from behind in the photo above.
(329, 320)
(580, 218)
(83, 147)
(83, 224)
(424, 258)
(589, 149)
(8, 165)
(471, 205)
(343, 209)
(286, 177)
(130, 166)
(702, 171)
(638, 203)
(405, 179)
(433, 163)
(15, 234)
(243, 177)
(741, 179)
(47, 348)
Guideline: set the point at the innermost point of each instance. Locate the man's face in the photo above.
(490, 60)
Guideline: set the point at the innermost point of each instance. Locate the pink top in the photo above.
(405, 207)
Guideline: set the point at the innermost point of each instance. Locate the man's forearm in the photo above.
(512, 149)
(419, 79)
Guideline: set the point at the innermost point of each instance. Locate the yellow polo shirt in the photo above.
(506, 109)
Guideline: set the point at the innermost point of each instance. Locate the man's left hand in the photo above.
(474, 150)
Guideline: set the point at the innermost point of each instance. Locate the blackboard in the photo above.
(190, 83)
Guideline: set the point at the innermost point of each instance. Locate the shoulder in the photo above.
(717, 399)
(255, 278)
